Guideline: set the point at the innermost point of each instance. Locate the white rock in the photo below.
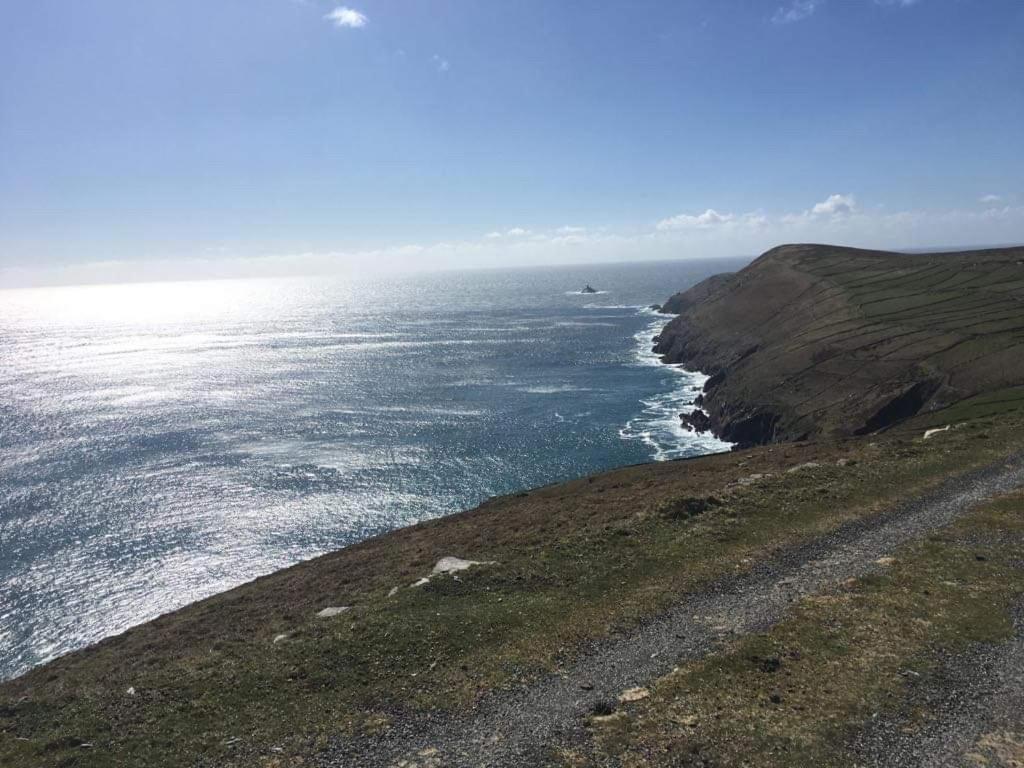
(393, 592)
(931, 432)
(332, 611)
(131, 691)
(614, 717)
(454, 564)
(633, 694)
(447, 565)
(280, 638)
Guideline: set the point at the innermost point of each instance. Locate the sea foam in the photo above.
(658, 424)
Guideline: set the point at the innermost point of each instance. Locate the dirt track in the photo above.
(520, 727)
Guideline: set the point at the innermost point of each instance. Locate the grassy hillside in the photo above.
(254, 676)
(811, 339)
(684, 300)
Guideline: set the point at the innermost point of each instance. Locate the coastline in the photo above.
(239, 675)
(797, 346)
(230, 478)
(662, 412)
(368, 650)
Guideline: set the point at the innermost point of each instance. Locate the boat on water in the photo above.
(588, 289)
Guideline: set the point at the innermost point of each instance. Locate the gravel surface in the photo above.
(975, 705)
(520, 727)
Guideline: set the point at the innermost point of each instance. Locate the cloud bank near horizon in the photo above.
(838, 218)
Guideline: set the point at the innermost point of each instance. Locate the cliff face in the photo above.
(813, 340)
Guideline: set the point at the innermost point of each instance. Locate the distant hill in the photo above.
(813, 340)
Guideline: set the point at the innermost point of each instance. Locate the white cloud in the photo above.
(567, 230)
(709, 218)
(441, 64)
(712, 220)
(510, 233)
(990, 199)
(797, 10)
(835, 205)
(347, 17)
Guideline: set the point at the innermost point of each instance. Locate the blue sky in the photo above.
(142, 139)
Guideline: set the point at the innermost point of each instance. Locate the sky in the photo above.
(195, 138)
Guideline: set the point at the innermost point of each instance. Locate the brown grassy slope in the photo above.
(815, 339)
(684, 300)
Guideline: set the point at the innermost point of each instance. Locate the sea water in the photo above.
(163, 442)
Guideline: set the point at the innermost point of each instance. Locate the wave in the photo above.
(658, 425)
(614, 306)
(551, 390)
(414, 410)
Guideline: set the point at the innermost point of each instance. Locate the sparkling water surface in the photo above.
(163, 442)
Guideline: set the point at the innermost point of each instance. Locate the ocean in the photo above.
(163, 442)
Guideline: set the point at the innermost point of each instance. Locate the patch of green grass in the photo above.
(1002, 403)
(686, 507)
(794, 696)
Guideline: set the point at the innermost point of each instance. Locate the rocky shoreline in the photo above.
(799, 344)
(754, 426)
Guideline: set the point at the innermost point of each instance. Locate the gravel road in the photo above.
(519, 727)
(975, 705)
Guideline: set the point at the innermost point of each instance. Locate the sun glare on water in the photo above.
(143, 304)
